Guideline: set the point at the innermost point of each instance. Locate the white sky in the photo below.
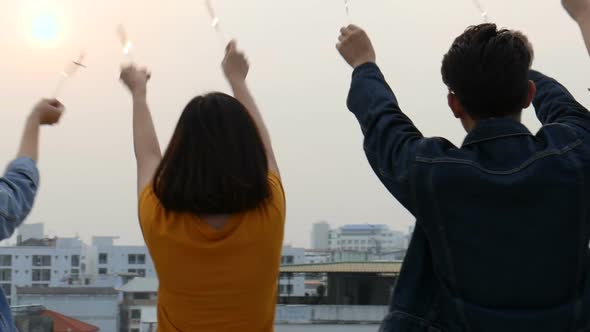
(299, 80)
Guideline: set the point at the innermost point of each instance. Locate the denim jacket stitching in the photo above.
(495, 137)
(532, 160)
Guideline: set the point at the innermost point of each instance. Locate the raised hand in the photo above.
(48, 112)
(578, 9)
(355, 46)
(235, 65)
(135, 79)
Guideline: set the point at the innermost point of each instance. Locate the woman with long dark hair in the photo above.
(212, 209)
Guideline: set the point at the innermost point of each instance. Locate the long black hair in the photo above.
(216, 162)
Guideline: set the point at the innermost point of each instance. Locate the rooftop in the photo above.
(140, 285)
(368, 267)
(66, 291)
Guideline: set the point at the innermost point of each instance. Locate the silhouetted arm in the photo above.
(555, 104)
(390, 136)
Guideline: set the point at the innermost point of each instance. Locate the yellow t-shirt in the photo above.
(216, 280)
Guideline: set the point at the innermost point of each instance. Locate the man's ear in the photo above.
(531, 94)
(455, 106)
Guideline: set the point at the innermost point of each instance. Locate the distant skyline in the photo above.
(297, 77)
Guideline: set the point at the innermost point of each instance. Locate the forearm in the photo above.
(18, 188)
(144, 133)
(390, 136)
(584, 24)
(554, 103)
(29, 146)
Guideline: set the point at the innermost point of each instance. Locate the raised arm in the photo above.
(146, 145)
(555, 104)
(235, 67)
(390, 136)
(579, 10)
(18, 186)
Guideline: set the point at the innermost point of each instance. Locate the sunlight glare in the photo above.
(45, 28)
(43, 21)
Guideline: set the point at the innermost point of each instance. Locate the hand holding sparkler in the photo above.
(135, 79)
(235, 65)
(579, 10)
(48, 112)
(355, 46)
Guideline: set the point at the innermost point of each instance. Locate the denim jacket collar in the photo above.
(494, 128)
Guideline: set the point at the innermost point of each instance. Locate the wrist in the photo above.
(139, 93)
(583, 18)
(236, 81)
(34, 117)
(362, 63)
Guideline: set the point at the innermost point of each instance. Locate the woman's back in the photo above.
(216, 279)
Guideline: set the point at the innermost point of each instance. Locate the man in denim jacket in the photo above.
(503, 222)
(18, 187)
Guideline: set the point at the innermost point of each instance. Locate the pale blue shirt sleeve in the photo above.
(18, 188)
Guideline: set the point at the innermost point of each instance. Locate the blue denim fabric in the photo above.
(18, 189)
(503, 222)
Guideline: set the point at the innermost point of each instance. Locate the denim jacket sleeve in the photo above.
(18, 189)
(554, 104)
(390, 136)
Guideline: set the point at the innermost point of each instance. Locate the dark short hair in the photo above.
(487, 69)
(216, 162)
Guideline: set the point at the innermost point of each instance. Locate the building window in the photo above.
(135, 314)
(141, 296)
(103, 258)
(132, 259)
(41, 275)
(75, 272)
(287, 260)
(6, 288)
(75, 260)
(102, 271)
(5, 260)
(39, 260)
(141, 259)
(139, 272)
(5, 274)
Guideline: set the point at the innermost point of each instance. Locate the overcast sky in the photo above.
(299, 81)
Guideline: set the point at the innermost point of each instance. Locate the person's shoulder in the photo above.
(277, 192)
(149, 203)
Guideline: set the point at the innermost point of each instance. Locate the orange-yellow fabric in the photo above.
(216, 280)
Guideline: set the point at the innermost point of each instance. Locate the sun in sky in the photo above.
(43, 21)
(45, 28)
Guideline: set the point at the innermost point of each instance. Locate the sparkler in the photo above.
(347, 9)
(215, 21)
(125, 42)
(481, 9)
(68, 72)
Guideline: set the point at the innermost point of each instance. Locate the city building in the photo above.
(291, 285)
(319, 236)
(106, 259)
(139, 305)
(43, 263)
(91, 305)
(379, 239)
